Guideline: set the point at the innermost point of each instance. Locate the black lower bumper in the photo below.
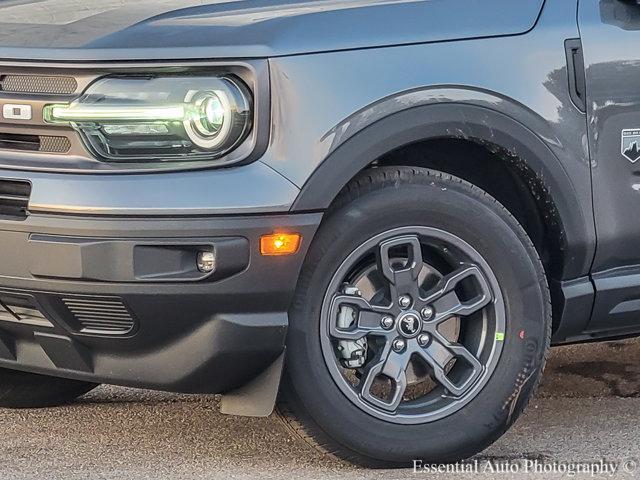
(121, 301)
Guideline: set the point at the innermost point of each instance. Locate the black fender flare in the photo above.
(458, 120)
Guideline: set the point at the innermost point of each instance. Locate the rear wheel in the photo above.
(30, 390)
(420, 325)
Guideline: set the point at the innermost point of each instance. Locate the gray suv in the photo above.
(376, 215)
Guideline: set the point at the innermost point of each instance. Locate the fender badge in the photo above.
(630, 146)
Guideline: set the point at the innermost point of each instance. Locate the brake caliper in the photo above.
(353, 352)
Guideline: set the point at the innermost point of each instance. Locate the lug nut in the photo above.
(423, 339)
(398, 344)
(404, 301)
(387, 322)
(427, 313)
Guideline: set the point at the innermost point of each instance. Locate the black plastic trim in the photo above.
(472, 122)
(617, 306)
(210, 335)
(576, 73)
(572, 306)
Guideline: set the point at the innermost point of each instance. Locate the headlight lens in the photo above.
(159, 118)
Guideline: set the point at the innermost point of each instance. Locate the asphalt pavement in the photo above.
(586, 412)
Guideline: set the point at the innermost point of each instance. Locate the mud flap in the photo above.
(258, 397)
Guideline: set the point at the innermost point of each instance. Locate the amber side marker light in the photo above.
(280, 244)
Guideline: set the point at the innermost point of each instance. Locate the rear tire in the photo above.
(30, 390)
(329, 411)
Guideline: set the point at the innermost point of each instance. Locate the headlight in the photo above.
(159, 118)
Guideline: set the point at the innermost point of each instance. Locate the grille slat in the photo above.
(105, 323)
(104, 313)
(13, 141)
(14, 198)
(88, 318)
(38, 84)
(102, 331)
(106, 308)
(101, 316)
(92, 313)
(96, 327)
(102, 325)
(94, 303)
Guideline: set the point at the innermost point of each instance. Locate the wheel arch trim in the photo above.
(451, 117)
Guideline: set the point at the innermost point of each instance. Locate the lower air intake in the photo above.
(34, 143)
(14, 199)
(100, 315)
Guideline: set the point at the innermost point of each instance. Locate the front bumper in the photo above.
(118, 300)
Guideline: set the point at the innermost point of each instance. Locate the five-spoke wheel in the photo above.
(413, 309)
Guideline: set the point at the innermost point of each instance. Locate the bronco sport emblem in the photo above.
(630, 148)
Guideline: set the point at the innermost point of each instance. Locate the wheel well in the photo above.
(504, 176)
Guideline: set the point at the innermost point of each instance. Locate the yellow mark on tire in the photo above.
(499, 336)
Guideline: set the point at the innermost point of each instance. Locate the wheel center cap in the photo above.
(409, 324)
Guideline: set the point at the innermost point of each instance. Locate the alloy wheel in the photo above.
(412, 325)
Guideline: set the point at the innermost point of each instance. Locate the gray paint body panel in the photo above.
(610, 32)
(200, 192)
(179, 29)
(611, 41)
(317, 111)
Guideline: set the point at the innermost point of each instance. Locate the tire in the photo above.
(319, 401)
(30, 390)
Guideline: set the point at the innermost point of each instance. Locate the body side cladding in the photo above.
(572, 304)
(617, 305)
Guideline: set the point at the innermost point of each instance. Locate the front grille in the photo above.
(30, 141)
(34, 143)
(14, 198)
(100, 315)
(38, 84)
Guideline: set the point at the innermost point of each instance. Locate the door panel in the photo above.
(610, 32)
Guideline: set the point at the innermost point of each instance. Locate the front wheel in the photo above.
(420, 324)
